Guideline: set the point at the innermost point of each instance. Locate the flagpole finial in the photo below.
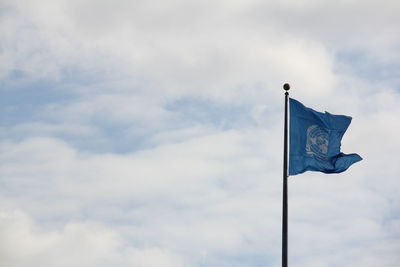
(286, 87)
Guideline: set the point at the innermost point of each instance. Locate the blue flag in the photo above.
(315, 141)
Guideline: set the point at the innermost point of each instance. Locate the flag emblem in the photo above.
(317, 141)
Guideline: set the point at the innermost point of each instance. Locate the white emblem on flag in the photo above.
(317, 141)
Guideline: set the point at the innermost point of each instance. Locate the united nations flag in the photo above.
(315, 141)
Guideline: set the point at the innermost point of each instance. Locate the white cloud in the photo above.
(182, 197)
(24, 243)
(216, 194)
(168, 50)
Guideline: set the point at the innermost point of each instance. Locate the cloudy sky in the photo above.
(149, 133)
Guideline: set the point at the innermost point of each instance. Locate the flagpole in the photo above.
(286, 87)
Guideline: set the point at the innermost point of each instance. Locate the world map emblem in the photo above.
(317, 141)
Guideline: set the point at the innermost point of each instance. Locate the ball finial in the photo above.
(286, 87)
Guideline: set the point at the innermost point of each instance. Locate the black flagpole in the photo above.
(286, 87)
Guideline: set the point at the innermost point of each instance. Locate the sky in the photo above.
(150, 133)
